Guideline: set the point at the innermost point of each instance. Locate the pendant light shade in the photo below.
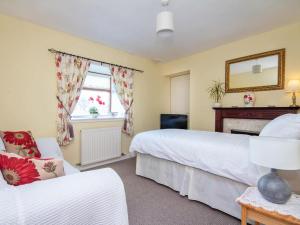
(165, 24)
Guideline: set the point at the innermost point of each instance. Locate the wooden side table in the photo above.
(259, 210)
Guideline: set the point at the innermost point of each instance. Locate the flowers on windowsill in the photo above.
(93, 110)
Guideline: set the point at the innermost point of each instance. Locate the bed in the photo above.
(209, 167)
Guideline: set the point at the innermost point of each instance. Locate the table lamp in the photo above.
(275, 153)
(293, 86)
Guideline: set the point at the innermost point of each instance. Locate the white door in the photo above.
(180, 94)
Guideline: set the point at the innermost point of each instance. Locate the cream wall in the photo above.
(210, 65)
(28, 82)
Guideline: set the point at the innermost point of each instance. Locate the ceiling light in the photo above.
(164, 22)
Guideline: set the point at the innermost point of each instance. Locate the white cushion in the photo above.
(3, 183)
(285, 126)
(49, 148)
(2, 146)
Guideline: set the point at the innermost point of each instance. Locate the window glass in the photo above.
(98, 68)
(98, 96)
(97, 81)
(116, 105)
(89, 99)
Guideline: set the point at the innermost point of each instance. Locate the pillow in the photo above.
(2, 146)
(285, 126)
(3, 183)
(18, 170)
(20, 142)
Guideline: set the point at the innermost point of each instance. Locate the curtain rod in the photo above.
(52, 50)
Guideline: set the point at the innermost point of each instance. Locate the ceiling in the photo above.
(130, 25)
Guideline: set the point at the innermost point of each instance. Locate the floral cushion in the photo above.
(18, 170)
(20, 142)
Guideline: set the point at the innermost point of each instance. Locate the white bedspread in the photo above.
(218, 153)
(90, 198)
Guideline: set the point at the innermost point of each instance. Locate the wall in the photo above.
(210, 65)
(28, 82)
(180, 91)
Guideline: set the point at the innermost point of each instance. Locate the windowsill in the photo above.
(89, 119)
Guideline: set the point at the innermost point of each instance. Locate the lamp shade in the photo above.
(276, 153)
(164, 24)
(293, 86)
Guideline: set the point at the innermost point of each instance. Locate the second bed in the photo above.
(209, 167)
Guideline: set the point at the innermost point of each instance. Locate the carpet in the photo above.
(150, 203)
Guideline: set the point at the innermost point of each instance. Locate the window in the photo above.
(98, 98)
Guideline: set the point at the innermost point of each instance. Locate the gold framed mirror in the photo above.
(258, 72)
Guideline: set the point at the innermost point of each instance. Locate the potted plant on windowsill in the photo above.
(93, 110)
(216, 92)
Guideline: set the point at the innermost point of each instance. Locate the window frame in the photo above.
(103, 117)
(102, 89)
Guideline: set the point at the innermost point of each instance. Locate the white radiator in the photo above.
(100, 144)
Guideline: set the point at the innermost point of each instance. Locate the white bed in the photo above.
(205, 166)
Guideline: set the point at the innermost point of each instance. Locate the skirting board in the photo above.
(91, 166)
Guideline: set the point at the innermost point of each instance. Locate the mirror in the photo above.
(259, 72)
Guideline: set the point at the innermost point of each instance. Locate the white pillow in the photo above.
(3, 183)
(2, 146)
(49, 148)
(285, 126)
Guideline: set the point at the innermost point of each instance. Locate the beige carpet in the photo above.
(150, 203)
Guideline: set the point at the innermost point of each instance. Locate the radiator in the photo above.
(100, 144)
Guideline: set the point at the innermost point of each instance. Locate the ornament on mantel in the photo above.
(249, 99)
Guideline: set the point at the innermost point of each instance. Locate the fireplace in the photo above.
(247, 119)
(248, 132)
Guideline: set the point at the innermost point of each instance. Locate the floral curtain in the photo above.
(70, 73)
(123, 81)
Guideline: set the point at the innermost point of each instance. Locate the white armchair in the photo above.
(93, 197)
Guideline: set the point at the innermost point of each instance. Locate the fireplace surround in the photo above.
(246, 113)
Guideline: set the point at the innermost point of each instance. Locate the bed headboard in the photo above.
(264, 113)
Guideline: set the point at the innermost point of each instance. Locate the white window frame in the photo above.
(100, 117)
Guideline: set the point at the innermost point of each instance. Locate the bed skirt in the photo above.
(216, 191)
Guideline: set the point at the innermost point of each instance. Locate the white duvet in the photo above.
(218, 153)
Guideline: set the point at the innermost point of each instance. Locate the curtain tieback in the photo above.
(129, 107)
(69, 125)
(58, 99)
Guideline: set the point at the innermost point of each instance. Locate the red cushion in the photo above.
(21, 143)
(18, 170)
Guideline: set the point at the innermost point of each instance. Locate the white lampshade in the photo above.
(293, 86)
(276, 153)
(164, 24)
